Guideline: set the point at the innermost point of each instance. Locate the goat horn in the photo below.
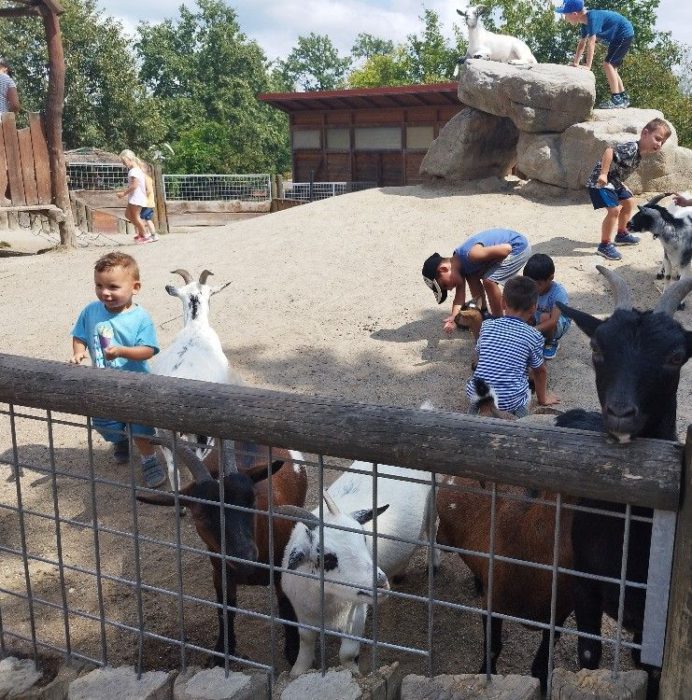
(309, 519)
(191, 460)
(204, 275)
(658, 198)
(623, 296)
(669, 302)
(331, 505)
(184, 274)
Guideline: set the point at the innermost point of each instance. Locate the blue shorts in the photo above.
(116, 431)
(563, 324)
(510, 267)
(617, 50)
(607, 196)
(147, 214)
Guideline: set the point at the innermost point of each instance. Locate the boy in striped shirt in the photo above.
(508, 348)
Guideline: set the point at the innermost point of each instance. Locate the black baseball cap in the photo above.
(429, 276)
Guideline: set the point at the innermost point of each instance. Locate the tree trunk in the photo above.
(54, 110)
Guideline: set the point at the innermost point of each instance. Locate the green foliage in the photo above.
(315, 64)
(105, 105)
(204, 75)
(424, 58)
(366, 46)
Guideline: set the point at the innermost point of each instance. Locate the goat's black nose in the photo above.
(622, 411)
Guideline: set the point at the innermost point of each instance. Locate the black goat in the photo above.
(637, 356)
(674, 232)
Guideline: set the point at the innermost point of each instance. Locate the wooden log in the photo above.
(574, 462)
(161, 204)
(676, 680)
(28, 176)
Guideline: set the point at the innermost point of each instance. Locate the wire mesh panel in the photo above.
(326, 561)
(96, 176)
(254, 188)
(310, 191)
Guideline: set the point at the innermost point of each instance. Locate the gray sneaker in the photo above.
(154, 475)
(608, 251)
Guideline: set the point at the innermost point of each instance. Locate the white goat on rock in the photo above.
(196, 351)
(491, 46)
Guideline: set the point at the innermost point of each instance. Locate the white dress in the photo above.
(139, 196)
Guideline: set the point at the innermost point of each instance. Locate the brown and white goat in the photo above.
(245, 535)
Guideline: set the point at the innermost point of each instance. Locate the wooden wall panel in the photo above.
(392, 169)
(27, 156)
(338, 167)
(41, 160)
(14, 161)
(3, 165)
(307, 119)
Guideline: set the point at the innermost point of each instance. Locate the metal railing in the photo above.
(89, 572)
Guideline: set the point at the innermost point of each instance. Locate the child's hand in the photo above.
(78, 357)
(550, 400)
(602, 180)
(682, 201)
(111, 352)
(448, 324)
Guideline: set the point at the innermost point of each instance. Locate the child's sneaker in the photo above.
(626, 239)
(550, 349)
(608, 251)
(153, 473)
(142, 239)
(121, 451)
(154, 237)
(614, 102)
(625, 99)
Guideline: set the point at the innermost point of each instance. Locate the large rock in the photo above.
(566, 159)
(541, 97)
(470, 687)
(471, 145)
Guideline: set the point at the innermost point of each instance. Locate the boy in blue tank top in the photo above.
(612, 29)
(115, 332)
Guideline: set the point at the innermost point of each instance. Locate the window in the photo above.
(338, 139)
(419, 138)
(378, 138)
(306, 138)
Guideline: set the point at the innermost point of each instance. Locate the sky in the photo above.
(277, 24)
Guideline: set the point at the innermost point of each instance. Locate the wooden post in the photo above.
(676, 679)
(160, 191)
(54, 111)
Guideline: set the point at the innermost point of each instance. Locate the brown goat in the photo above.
(523, 531)
(246, 535)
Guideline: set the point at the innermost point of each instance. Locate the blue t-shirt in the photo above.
(493, 236)
(98, 328)
(506, 348)
(607, 26)
(546, 302)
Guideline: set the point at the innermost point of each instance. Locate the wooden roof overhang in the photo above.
(405, 96)
(27, 8)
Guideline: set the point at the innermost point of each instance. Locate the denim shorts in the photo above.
(617, 50)
(147, 214)
(608, 196)
(116, 431)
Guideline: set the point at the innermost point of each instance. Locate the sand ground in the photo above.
(325, 299)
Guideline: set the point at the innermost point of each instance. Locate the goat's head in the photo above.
(347, 555)
(472, 15)
(651, 217)
(637, 356)
(194, 294)
(203, 498)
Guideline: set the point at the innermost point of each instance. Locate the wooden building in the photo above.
(365, 135)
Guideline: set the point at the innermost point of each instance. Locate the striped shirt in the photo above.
(506, 348)
(6, 83)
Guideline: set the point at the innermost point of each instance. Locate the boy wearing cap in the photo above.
(484, 261)
(612, 29)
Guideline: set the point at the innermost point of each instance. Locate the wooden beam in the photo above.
(18, 12)
(574, 462)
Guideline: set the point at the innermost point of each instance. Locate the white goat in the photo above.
(349, 572)
(408, 518)
(491, 46)
(196, 351)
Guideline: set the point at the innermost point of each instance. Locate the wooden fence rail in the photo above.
(579, 463)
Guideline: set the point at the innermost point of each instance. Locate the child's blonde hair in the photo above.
(117, 259)
(658, 123)
(129, 156)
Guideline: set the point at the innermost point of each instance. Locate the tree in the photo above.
(105, 105)
(204, 74)
(366, 46)
(315, 64)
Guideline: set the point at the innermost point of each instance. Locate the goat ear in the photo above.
(463, 14)
(365, 516)
(665, 214)
(586, 322)
(296, 558)
(260, 473)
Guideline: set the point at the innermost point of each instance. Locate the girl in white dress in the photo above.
(136, 193)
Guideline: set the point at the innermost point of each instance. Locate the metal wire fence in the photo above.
(256, 187)
(96, 176)
(90, 571)
(311, 191)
